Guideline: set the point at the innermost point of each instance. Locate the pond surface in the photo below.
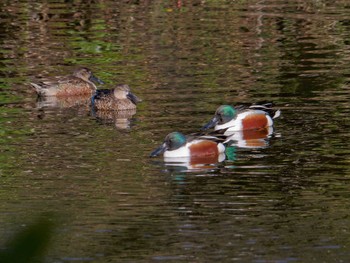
(284, 200)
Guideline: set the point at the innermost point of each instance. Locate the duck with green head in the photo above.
(177, 144)
(239, 118)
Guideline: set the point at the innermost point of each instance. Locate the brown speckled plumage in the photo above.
(79, 83)
(117, 99)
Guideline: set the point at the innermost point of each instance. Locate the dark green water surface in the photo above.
(287, 202)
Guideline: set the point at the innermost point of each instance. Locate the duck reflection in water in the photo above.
(79, 101)
(120, 119)
(253, 139)
(116, 106)
(197, 164)
(245, 126)
(67, 92)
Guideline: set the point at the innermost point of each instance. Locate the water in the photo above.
(285, 202)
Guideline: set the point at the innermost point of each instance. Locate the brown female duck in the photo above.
(81, 82)
(117, 99)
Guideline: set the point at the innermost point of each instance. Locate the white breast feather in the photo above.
(181, 152)
(221, 148)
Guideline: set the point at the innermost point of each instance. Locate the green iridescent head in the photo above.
(175, 140)
(223, 114)
(172, 141)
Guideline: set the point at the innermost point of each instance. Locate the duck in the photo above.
(118, 99)
(253, 117)
(176, 145)
(81, 82)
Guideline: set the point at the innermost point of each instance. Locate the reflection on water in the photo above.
(120, 119)
(276, 197)
(82, 104)
(247, 139)
(202, 163)
(66, 102)
(251, 138)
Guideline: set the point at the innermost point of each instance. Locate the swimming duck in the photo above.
(119, 98)
(243, 118)
(81, 82)
(177, 144)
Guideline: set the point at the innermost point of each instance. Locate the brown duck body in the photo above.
(118, 99)
(81, 82)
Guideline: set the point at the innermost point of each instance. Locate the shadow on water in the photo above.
(31, 243)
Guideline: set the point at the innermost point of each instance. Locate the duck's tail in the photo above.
(37, 87)
(217, 136)
(40, 89)
(268, 108)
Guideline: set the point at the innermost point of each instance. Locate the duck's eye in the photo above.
(221, 117)
(169, 142)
